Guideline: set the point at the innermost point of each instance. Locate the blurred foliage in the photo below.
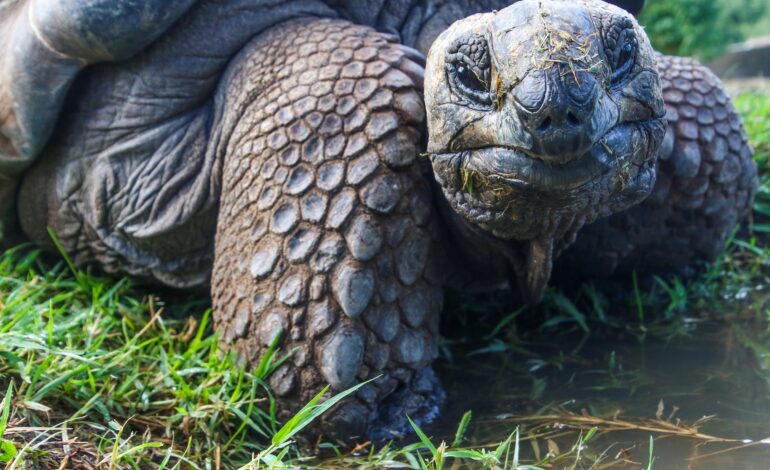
(754, 108)
(699, 28)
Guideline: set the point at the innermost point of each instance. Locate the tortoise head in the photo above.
(543, 116)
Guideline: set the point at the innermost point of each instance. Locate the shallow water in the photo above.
(709, 368)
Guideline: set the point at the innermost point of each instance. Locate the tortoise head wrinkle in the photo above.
(543, 116)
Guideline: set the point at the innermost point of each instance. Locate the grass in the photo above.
(100, 374)
(87, 357)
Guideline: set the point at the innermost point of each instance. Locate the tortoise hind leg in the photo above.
(705, 185)
(326, 228)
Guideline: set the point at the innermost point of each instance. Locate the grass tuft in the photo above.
(91, 357)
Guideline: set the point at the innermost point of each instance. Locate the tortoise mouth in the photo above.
(522, 170)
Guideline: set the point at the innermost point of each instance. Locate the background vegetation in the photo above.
(703, 28)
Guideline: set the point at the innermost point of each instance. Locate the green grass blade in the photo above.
(423, 438)
(311, 411)
(462, 428)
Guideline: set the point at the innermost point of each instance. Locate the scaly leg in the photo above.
(326, 232)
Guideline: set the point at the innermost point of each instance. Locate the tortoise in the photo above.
(328, 168)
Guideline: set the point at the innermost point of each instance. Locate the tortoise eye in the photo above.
(625, 55)
(468, 70)
(622, 52)
(470, 80)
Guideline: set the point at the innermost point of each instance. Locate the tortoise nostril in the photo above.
(572, 120)
(544, 124)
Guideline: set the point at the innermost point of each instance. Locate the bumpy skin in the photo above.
(272, 150)
(130, 179)
(542, 117)
(706, 181)
(326, 231)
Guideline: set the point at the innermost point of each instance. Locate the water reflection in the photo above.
(714, 376)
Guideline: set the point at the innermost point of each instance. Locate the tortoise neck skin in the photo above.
(418, 22)
(542, 117)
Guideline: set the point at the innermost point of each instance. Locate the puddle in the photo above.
(717, 369)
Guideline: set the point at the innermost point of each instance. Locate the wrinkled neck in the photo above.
(485, 262)
(435, 16)
(416, 22)
(419, 22)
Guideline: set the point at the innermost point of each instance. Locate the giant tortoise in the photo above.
(328, 167)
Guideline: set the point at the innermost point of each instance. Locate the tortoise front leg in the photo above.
(326, 232)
